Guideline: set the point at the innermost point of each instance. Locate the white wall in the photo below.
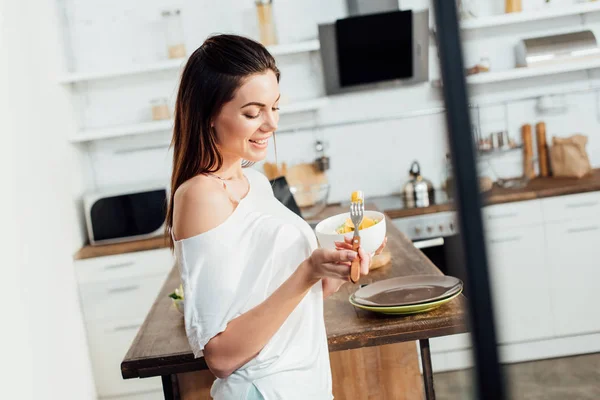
(122, 34)
(47, 354)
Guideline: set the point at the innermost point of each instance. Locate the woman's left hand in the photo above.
(332, 285)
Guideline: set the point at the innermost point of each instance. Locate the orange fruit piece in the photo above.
(357, 196)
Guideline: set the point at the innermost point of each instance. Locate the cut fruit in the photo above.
(348, 226)
(357, 196)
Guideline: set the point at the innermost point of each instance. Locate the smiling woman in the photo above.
(251, 117)
(253, 278)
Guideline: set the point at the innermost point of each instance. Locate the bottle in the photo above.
(513, 6)
(160, 109)
(266, 23)
(173, 33)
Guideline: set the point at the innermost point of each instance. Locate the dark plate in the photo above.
(407, 290)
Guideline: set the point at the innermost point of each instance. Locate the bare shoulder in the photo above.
(200, 204)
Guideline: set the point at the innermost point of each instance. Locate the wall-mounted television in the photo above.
(368, 51)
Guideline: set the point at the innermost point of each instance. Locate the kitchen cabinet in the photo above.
(544, 265)
(116, 293)
(573, 250)
(574, 261)
(519, 283)
(571, 207)
(108, 344)
(512, 215)
(119, 299)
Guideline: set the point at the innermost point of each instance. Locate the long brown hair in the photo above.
(209, 79)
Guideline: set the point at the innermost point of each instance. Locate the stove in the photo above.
(428, 226)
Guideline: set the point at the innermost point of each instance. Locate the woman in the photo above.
(253, 278)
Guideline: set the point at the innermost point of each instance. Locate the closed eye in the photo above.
(252, 116)
(258, 115)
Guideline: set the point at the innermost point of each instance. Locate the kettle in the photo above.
(418, 191)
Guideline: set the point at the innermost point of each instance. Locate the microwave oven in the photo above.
(123, 214)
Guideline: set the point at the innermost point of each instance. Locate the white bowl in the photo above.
(370, 238)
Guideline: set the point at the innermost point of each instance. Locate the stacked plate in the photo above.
(407, 294)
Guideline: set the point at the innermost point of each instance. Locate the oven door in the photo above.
(445, 252)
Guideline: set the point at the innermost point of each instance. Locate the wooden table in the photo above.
(161, 347)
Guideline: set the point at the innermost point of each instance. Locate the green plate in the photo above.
(407, 309)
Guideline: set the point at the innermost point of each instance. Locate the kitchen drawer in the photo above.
(108, 343)
(124, 298)
(512, 215)
(123, 266)
(575, 206)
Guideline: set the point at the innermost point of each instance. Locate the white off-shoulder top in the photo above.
(232, 268)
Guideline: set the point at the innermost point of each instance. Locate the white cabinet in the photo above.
(574, 261)
(120, 299)
(544, 266)
(512, 215)
(519, 283)
(116, 294)
(123, 266)
(109, 343)
(575, 206)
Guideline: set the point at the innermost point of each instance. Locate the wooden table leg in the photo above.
(427, 370)
(170, 387)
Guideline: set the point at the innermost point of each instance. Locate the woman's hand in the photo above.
(347, 244)
(326, 263)
(332, 285)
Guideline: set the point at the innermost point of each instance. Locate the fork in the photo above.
(357, 210)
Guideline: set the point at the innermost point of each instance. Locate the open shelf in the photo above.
(90, 135)
(167, 65)
(530, 72)
(293, 48)
(529, 16)
(177, 64)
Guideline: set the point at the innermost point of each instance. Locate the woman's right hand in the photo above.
(326, 263)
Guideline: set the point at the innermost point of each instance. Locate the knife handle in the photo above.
(355, 268)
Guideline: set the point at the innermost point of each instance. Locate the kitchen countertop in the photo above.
(393, 207)
(537, 188)
(161, 347)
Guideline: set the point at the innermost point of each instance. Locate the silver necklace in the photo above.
(218, 177)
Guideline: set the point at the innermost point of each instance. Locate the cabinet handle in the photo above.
(127, 327)
(508, 215)
(124, 289)
(583, 229)
(585, 204)
(121, 265)
(506, 240)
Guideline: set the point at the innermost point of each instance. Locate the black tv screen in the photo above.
(374, 48)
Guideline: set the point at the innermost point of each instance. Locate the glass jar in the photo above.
(173, 33)
(266, 23)
(160, 109)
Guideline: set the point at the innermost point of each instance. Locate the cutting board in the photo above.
(381, 260)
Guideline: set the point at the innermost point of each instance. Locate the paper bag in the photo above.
(568, 157)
